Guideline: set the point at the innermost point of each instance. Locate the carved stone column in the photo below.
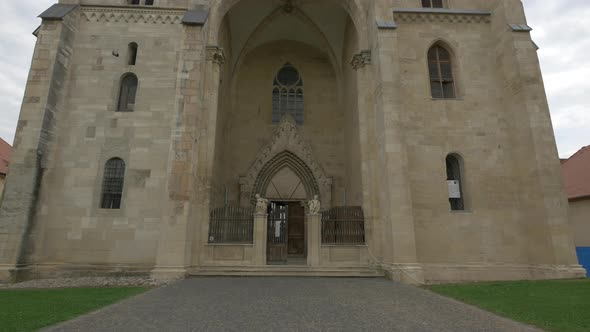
(205, 149)
(260, 233)
(314, 239)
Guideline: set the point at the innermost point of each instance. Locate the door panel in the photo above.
(296, 229)
(277, 241)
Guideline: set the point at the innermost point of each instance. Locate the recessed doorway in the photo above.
(286, 243)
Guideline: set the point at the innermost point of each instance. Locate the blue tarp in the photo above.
(584, 258)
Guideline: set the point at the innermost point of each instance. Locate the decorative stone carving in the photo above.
(314, 205)
(414, 17)
(288, 7)
(215, 54)
(286, 147)
(132, 15)
(261, 205)
(360, 60)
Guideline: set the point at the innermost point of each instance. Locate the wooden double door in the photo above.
(286, 233)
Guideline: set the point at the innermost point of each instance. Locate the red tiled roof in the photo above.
(5, 150)
(576, 174)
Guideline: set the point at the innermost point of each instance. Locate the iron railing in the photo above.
(343, 225)
(231, 225)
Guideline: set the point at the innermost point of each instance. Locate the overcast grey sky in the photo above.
(561, 29)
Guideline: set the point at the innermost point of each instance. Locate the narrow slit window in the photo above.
(112, 184)
(132, 54)
(127, 93)
(440, 67)
(287, 95)
(455, 182)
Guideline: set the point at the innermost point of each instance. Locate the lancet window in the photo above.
(112, 184)
(440, 67)
(287, 95)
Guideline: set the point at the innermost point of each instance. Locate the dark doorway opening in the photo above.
(286, 242)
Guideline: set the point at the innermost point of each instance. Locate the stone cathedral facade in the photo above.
(403, 138)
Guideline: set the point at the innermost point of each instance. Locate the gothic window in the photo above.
(432, 3)
(132, 54)
(287, 95)
(455, 182)
(112, 184)
(127, 93)
(440, 67)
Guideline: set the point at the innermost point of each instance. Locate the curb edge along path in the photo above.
(293, 304)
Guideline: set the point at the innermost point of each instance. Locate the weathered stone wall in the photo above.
(220, 188)
(353, 181)
(74, 229)
(36, 134)
(500, 126)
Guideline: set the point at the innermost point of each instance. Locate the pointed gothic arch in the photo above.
(287, 148)
(286, 159)
(275, 15)
(354, 8)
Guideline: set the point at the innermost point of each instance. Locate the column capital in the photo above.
(361, 59)
(215, 54)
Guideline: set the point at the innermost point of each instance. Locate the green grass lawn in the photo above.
(553, 305)
(28, 310)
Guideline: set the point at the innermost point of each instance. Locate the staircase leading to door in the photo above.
(287, 271)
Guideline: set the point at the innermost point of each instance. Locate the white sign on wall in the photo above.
(278, 228)
(454, 188)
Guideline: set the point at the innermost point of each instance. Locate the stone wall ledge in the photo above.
(478, 272)
(133, 15)
(437, 15)
(442, 11)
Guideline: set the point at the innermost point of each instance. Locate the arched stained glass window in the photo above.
(287, 95)
(440, 67)
(112, 184)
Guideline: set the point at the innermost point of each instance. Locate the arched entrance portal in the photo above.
(286, 182)
(286, 169)
(286, 136)
(286, 177)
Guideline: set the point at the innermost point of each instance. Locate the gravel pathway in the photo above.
(290, 304)
(83, 282)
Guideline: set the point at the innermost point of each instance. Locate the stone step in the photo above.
(287, 271)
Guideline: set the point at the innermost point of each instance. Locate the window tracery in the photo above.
(440, 67)
(112, 184)
(287, 95)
